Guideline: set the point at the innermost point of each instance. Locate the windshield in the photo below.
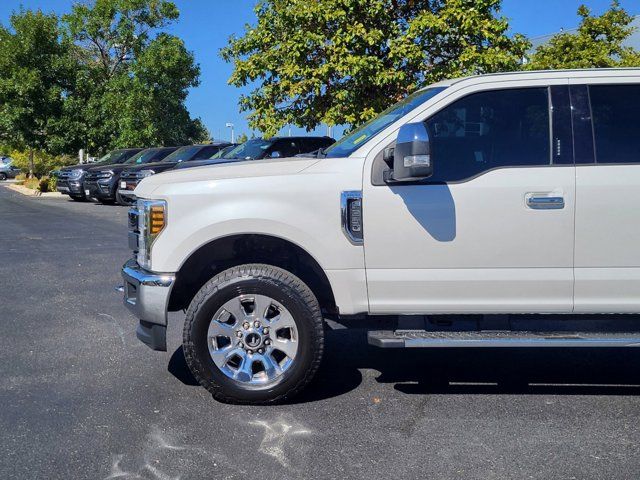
(223, 152)
(112, 157)
(249, 150)
(361, 135)
(182, 154)
(143, 157)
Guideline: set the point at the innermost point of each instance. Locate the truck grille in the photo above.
(133, 219)
(91, 176)
(129, 180)
(134, 230)
(64, 174)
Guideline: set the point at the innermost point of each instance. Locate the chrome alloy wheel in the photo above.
(253, 339)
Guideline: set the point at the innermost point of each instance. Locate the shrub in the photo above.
(43, 185)
(20, 178)
(53, 184)
(43, 163)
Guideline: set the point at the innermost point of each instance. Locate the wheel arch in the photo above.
(233, 250)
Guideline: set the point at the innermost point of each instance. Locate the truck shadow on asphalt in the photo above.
(447, 371)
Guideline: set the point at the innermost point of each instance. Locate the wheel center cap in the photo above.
(253, 340)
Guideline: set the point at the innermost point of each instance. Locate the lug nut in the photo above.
(238, 334)
(246, 325)
(240, 345)
(256, 324)
(261, 350)
(267, 342)
(265, 331)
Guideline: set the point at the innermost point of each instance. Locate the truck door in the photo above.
(492, 230)
(607, 257)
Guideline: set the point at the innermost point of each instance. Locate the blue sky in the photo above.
(205, 25)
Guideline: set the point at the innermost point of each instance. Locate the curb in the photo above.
(31, 193)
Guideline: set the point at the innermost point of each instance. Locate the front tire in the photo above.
(3, 176)
(253, 335)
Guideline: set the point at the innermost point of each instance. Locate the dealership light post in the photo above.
(230, 125)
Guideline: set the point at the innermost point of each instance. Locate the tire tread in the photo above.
(267, 273)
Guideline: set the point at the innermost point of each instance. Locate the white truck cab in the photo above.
(498, 194)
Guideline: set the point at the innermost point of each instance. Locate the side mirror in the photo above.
(276, 154)
(412, 153)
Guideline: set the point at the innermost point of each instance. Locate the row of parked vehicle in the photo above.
(115, 176)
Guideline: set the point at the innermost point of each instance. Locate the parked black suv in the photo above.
(132, 176)
(102, 182)
(258, 148)
(71, 179)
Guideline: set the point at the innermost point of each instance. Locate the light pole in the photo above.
(230, 125)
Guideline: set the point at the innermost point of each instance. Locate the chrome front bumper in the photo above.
(146, 294)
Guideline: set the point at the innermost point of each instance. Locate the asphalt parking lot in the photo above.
(82, 398)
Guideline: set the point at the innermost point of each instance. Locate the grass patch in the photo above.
(32, 183)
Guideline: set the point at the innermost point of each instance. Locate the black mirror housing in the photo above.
(412, 153)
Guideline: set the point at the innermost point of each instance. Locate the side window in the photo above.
(486, 130)
(616, 122)
(287, 148)
(206, 152)
(160, 154)
(308, 145)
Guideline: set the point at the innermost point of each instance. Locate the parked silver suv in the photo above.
(7, 170)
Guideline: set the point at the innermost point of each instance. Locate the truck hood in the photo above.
(80, 166)
(244, 169)
(157, 166)
(115, 168)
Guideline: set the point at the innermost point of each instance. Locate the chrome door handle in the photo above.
(545, 203)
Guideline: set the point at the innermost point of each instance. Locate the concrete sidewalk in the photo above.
(12, 185)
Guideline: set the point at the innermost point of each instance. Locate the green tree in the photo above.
(164, 72)
(242, 138)
(597, 43)
(35, 77)
(343, 61)
(134, 78)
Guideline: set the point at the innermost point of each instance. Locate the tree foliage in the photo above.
(597, 43)
(104, 76)
(35, 76)
(342, 61)
(135, 77)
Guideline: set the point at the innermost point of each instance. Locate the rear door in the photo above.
(492, 230)
(607, 249)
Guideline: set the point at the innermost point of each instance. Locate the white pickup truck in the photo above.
(497, 194)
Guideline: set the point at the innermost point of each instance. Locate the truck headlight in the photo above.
(105, 174)
(152, 220)
(76, 173)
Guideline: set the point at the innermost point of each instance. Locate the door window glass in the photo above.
(615, 110)
(286, 148)
(487, 130)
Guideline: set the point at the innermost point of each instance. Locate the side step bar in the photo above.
(499, 338)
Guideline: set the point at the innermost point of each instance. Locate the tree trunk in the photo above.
(31, 166)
